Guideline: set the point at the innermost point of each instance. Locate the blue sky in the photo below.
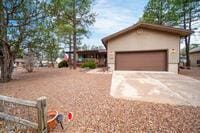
(114, 15)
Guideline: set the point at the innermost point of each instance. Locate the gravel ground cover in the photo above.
(94, 110)
(193, 72)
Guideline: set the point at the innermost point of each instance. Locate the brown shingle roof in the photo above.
(168, 29)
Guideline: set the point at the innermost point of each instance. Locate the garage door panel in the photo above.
(148, 61)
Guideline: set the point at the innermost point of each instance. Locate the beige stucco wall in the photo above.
(144, 39)
(193, 58)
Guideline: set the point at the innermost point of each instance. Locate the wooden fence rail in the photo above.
(40, 105)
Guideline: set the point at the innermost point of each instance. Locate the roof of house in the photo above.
(92, 51)
(88, 51)
(168, 29)
(194, 50)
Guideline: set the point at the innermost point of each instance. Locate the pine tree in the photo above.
(159, 12)
(77, 16)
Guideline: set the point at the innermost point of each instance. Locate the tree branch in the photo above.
(14, 9)
(5, 42)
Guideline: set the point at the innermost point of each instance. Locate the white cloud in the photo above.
(110, 18)
(102, 2)
(195, 38)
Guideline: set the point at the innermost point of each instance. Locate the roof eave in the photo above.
(177, 31)
(104, 42)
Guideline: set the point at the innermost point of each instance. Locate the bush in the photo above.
(83, 65)
(90, 64)
(63, 64)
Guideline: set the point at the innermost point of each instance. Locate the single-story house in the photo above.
(99, 56)
(195, 57)
(145, 47)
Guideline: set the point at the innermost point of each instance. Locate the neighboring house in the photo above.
(146, 47)
(195, 57)
(99, 56)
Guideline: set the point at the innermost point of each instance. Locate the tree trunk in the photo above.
(74, 34)
(160, 18)
(187, 47)
(8, 57)
(1, 37)
(188, 41)
(74, 50)
(7, 64)
(52, 61)
(70, 50)
(29, 60)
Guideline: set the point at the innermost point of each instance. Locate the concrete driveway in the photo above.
(161, 87)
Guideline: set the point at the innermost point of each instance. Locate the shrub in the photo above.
(83, 65)
(63, 64)
(90, 64)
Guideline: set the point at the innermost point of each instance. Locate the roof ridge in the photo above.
(179, 31)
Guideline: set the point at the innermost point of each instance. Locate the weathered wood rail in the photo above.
(40, 104)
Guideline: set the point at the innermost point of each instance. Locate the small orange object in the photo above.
(51, 122)
(70, 116)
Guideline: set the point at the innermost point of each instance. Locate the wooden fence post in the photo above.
(42, 114)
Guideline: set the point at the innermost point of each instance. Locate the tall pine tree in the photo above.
(77, 16)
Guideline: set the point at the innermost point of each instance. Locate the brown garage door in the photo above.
(143, 61)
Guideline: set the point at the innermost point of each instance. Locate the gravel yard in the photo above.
(87, 97)
(193, 72)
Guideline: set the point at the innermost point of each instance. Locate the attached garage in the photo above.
(142, 60)
(145, 47)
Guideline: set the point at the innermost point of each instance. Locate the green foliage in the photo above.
(41, 24)
(72, 21)
(73, 12)
(22, 18)
(160, 12)
(63, 64)
(172, 12)
(75, 20)
(89, 64)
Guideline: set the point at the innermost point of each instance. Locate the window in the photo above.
(198, 61)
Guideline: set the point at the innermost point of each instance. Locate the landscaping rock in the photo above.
(87, 96)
